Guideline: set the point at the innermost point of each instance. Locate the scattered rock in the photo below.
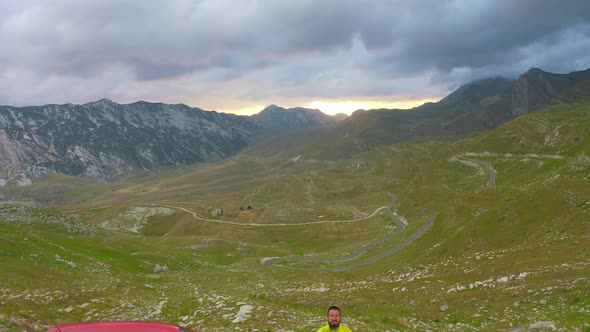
(584, 158)
(161, 268)
(502, 280)
(59, 259)
(543, 326)
(243, 314)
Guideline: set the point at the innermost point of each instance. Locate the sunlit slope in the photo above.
(541, 187)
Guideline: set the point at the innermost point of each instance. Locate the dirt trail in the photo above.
(194, 214)
(268, 225)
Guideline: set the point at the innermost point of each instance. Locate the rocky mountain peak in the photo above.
(102, 103)
(537, 88)
(475, 91)
(274, 116)
(534, 71)
(272, 108)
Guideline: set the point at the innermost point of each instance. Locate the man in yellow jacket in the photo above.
(333, 324)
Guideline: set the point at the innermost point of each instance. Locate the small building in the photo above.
(217, 212)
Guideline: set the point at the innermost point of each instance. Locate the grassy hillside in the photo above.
(509, 246)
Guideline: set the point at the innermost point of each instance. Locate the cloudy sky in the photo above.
(239, 56)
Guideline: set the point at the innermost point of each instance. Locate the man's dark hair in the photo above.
(334, 308)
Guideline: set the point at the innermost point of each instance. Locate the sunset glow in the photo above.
(335, 107)
(246, 110)
(348, 107)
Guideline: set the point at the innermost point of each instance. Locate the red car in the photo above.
(118, 327)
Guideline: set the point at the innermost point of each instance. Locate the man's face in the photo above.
(334, 318)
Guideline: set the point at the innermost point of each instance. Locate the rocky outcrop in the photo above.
(537, 88)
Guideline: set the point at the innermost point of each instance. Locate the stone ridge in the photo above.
(104, 140)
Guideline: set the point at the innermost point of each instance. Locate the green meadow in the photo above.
(508, 246)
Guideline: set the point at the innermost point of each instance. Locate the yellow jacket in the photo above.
(341, 328)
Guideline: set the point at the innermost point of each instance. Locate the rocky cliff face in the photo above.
(104, 139)
(537, 88)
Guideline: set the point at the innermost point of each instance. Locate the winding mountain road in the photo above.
(491, 172)
(390, 251)
(194, 214)
(482, 165)
(357, 253)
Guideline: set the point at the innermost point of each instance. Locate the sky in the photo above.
(240, 56)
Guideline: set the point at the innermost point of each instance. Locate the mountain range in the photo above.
(477, 106)
(105, 140)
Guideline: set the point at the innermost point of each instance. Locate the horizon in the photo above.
(336, 108)
(346, 107)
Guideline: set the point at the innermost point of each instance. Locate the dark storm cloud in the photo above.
(331, 48)
(183, 34)
(481, 35)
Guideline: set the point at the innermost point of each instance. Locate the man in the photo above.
(333, 324)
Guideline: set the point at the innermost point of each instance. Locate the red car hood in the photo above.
(118, 327)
